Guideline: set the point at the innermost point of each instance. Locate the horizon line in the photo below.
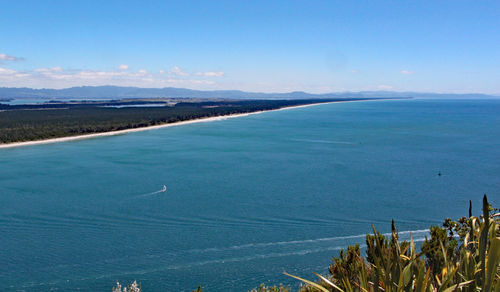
(259, 92)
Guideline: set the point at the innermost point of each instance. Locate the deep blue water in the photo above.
(247, 198)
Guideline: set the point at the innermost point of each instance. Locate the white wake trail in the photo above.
(163, 190)
(403, 235)
(323, 141)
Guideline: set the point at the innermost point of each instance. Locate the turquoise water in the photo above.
(247, 198)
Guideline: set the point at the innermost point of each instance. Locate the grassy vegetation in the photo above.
(461, 255)
(39, 122)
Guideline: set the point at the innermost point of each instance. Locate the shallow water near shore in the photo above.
(247, 198)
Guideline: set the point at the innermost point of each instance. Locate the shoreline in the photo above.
(126, 131)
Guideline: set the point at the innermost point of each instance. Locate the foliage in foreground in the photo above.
(460, 256)
(133, 287)
(264, 288)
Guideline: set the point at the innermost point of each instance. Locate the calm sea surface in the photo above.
(247, 198)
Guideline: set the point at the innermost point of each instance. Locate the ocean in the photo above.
(247, 198)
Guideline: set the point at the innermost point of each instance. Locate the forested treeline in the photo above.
(38, 122)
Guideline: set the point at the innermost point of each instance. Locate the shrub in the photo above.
(460, 256)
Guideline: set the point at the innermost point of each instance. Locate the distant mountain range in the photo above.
(117, 92)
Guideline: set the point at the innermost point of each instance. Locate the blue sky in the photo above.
(267, 46)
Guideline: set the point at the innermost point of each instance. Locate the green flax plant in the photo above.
(460, 256)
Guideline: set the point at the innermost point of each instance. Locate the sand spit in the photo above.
(121, 132)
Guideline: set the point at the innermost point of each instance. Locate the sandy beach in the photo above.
(121, 132)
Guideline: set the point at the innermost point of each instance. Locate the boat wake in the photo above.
(323, 141)
(163, 190)
(403, 235)
(180, 260)
(300, 252)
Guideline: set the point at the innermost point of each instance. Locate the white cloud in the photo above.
(354, 71)
(406, 72)
(57, 77)
(384, 87)
(5, 57)
(187, 82)
(211, 74)
(10, 74)
(177, 71)
(48, 70)
(95, 75)
(5, 71)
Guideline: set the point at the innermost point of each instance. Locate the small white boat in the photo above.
(164, 189)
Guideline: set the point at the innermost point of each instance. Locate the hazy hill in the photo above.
(114, 92)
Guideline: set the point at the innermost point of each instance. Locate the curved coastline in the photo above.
(126, 131)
